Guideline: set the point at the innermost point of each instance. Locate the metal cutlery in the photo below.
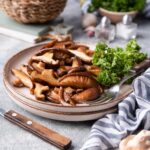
(113, 92)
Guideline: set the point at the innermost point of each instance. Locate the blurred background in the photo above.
(32, 21)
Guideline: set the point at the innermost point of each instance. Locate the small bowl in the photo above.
(116, 17)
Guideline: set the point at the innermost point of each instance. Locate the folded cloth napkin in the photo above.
(133, 114)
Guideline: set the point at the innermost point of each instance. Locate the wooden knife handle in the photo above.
(142, 66)
(46, 134)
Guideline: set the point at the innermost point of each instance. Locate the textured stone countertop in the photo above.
(14, 138)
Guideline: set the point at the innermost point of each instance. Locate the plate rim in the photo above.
(61, 114)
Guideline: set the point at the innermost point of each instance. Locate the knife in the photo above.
(41, 131)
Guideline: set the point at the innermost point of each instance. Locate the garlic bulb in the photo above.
(89, 20)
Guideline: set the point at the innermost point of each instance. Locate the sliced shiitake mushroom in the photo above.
(93, 69)
(47, 76)
(26, 69)
(50, 44)
(61, 71)
(46, 58)
(86, 95)
(57, 96)
(62, 100)
(78, 80)
(82, 48)
(85, 50)
(76, 62)
(26, 81)
(68, 93)
(17, 83)
(39, 90)
(82, 56)
(77, 46)
(38, 66)
(62, 54)
(52, 56)
(63, 76)
(53, 95)
(64, 44)
(77, 69)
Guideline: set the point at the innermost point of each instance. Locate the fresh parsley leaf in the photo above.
(116, 62)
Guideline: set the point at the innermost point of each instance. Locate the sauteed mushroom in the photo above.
(39, 90)
(61, 94)
(46, 58)
(62, 73)
(82, 56)
(53, 95)
(93, 69)
(40, 66)
(23, 78)
(76, 62)
(87, 95)
(57, 96)
(26, 69)
(78, 80)
(17, 83)
(77, 69)
(46, 76)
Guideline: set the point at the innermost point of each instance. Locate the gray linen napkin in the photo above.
(133, 114)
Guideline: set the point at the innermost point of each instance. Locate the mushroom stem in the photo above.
(23, 78)
(46, 76)
(61, 94)
(39, 90)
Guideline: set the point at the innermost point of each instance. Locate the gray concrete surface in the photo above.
(14, 138)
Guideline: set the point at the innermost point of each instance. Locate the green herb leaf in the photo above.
(116, 62)
(118, 5)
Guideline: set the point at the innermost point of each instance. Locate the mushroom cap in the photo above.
(46, 76)
(83, 56)
(59, 53)
(78, 80)
(87, 95)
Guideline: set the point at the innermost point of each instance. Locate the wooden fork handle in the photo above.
(142, 66)
(44, 133)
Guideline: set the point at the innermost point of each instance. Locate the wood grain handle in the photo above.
(142, 66)
(46, 134)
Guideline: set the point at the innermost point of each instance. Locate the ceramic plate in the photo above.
(24, 94)
(56, 115)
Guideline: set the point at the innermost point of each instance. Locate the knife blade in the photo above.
(37, 129)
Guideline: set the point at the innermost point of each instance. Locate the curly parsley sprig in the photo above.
(116, 62)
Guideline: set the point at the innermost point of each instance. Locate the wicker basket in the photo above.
(33, 11)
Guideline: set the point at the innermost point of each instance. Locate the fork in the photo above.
(113, 92)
